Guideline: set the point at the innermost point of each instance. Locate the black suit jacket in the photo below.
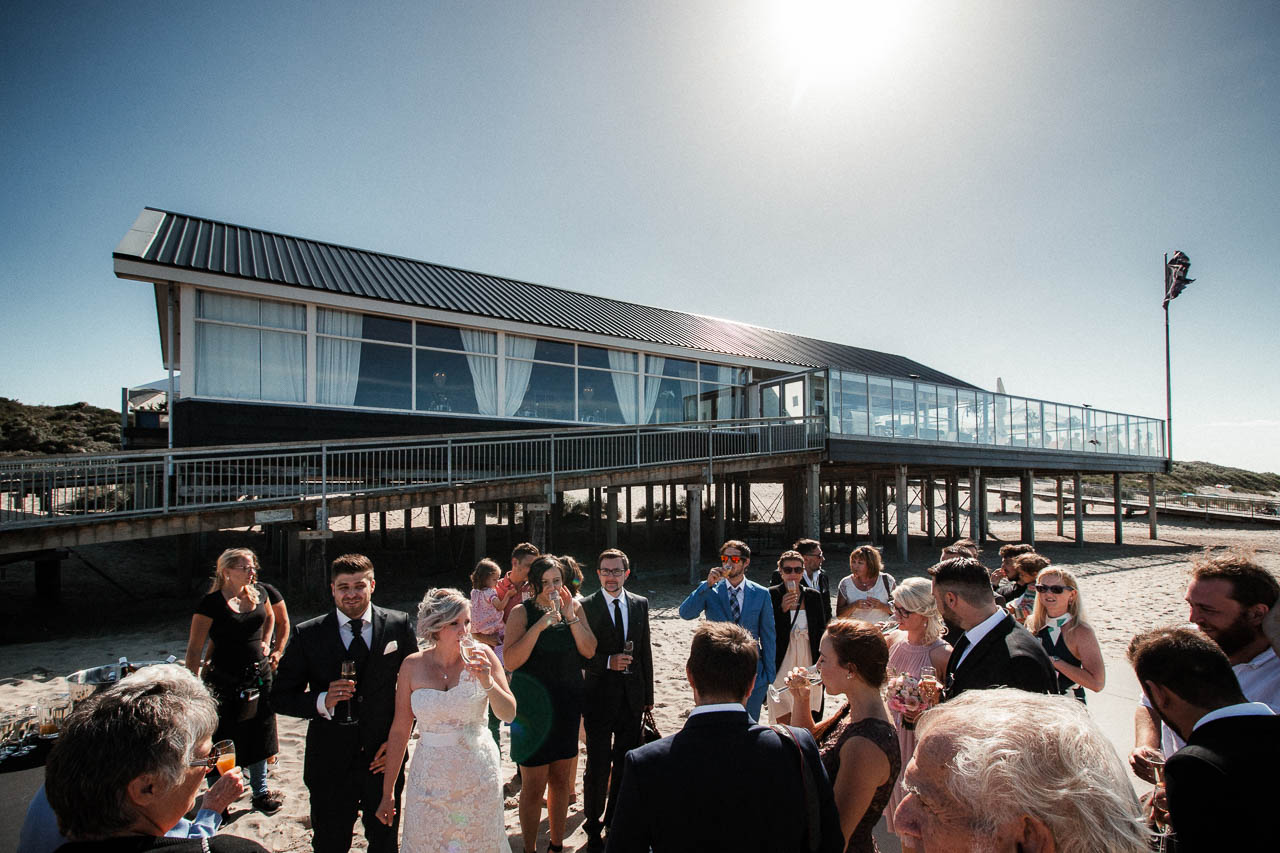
(824, 587)
(601, 684)
(813, 611)
(721, 784)
(1221, 785)
(1009, 656)
(312, 660)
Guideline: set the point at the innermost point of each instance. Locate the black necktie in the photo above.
(954, 663)
(358, 651)
(619, 634)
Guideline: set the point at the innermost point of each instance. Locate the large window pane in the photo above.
(719, 402)
(676, 401)
(881, 406)
(904, 408)
(446, 382)
(250, 311)
(550, 393)
(770, 401)
(1035, 424)
(597, 400)
(677, 368)
(966, 416)
(367, 326)
(382, 375)
(986, 417)
(853, 403)
(926, 414)
(817, 394)
(946, 414)
(1017, 422)
(441, 337)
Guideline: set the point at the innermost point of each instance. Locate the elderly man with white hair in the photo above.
(1007, 770)
(129, 763)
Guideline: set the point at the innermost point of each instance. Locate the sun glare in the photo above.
(836, 41)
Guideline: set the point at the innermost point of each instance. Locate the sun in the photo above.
(836, 41)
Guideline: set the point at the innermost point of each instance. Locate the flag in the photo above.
(1175, 276)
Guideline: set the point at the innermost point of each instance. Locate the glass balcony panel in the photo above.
(926, 411)
(966, 417)
(986, 413)
(946, 413)
(881, 406)
(904, 409)
(1017, 422)
(1035, 423)
(853, 403)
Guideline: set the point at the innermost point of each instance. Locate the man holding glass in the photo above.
(727, 596)
(350, 717)
(619, 687)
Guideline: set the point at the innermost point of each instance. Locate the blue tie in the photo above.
(734, 608)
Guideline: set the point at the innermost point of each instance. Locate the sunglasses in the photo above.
(1054, 588)
(731, 558)
(791, 570)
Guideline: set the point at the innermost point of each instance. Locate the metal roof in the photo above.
(192, 243)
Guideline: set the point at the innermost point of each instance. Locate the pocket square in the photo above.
(390, 647)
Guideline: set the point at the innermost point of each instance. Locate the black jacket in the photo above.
(1008, 656)
(813, 611)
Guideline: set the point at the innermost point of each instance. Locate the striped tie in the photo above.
(735, 609)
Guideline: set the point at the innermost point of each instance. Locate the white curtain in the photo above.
(227, 362)
(337, 361)
(518, 372)
(625, 384)
(284, 367)
(652, 385)
(480, 346)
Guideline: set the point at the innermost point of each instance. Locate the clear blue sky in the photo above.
(987, 187)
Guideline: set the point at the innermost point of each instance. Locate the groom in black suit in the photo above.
(994, 651)
(722, 782)
(619, 688)
(1221, 785)
(342, 767)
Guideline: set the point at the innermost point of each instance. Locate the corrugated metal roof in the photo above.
(193, 243)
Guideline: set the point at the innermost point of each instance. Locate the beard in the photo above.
(1234, 637)
(950, 617)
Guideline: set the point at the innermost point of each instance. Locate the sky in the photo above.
(986, 187)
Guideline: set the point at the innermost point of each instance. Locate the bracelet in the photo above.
(492, 684)
(573, 621)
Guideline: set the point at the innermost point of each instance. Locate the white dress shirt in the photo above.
(345, 634)
(717, 708)
(1242, 709)
(1259, 682)
(621, 598)
(977, 632)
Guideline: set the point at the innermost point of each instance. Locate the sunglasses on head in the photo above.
(730, 558)
(1056, 589)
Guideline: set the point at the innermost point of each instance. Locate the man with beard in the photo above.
(1229, 597)
(994, 651)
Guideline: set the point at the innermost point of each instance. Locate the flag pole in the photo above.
(1168, 376)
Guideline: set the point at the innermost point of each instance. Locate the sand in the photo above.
(1126, 588)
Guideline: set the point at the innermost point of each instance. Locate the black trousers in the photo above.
(612, 730)
(335, 805)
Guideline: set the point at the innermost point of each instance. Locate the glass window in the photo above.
(881, 406)
(904, 408)
(549, 392)
(853, 403)
(720, 402)
(441, 337)
(672, 400)
(677, 368)
(793, 398)
(1035, 424)
(926, 411)
(720, 374)
(447, 382)
(250, 360)
(597, 398)
(606, 359)
(543, 350)
(367, 326)
(833, 408)
(966, 416)
(946, 413)
(771, 401)
(250, 311)
(817, 394)
(381, 375)
(986, 417)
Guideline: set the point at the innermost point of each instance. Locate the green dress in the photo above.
(548, 691)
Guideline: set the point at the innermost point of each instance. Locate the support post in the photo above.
(812, 492)
(481, 545)
(536, 521)
(983, 515)
(382, 529)
(975, 506)
(1028, 507)
(1079, 509)
(48, 567)
(904, 519)
(928, 502)
(1151, 507)
(1061, 506)
(611, 517)
(721, 490)
(648, 515)
(406, 525)
(1118, 506)
(693, 496)
(746, 509)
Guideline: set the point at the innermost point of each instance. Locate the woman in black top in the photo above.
(237, 618)
(1058, 619)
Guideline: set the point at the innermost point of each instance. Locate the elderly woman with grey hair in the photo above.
(1006, 770)
(129, 763)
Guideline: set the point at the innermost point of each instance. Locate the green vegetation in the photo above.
(1191, 476)
(73, 428)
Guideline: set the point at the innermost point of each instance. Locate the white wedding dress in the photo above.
(452, 799)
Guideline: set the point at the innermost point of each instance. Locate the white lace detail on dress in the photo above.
(453, 791)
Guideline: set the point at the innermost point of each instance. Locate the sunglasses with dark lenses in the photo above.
(791, 570)
(1054, 588)
(731, 558)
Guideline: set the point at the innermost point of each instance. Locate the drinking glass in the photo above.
(345, 711)
(226, 750)
(930, 687)
(53, 712)
(811, 675)
(627, 648)
(26, 726)
(7, 724)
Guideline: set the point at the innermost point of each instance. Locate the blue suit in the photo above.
(757, 617)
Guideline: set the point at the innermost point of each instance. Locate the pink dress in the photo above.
(485, 616)
(907, 658)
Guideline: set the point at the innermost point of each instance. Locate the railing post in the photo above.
(551, 497)
(168, 476)
(710, 453)
(448, 461)
(638, 457)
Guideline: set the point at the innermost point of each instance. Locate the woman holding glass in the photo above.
(1057, 618)
(546, 639)
(799, 619)
(858, 745)
(237, 619)
(916, 649)
(865, 593)
(453, 791)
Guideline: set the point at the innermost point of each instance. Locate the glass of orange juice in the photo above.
(226, 751)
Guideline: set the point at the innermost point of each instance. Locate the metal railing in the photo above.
(51, 490)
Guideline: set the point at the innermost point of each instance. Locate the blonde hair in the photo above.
(915, 595)
(1038, 617)
(224, 562)
(439, 607)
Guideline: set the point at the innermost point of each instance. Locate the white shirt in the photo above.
(977, 632)
(1242, 709)
(1259, 682)
(736, 591)
(621, 598)
(801, 618)
(345, 634)
(718, 707)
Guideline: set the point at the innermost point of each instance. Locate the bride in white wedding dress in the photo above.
(453, 790)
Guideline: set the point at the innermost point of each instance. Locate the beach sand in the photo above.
(1126, 588)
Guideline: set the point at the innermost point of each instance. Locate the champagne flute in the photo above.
(346, 715)
(811, 675)
(627, 648)
(930, 687)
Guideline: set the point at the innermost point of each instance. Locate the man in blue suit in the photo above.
(722, 783)
(727, 596)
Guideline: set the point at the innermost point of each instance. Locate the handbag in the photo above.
(648, 728)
